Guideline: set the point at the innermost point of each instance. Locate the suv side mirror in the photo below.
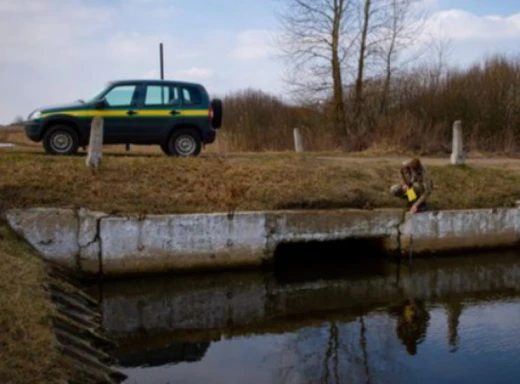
(100, 104)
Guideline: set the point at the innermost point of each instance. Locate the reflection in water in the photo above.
(174, 353)
(454, 311)
(412, 323)
(446, 320)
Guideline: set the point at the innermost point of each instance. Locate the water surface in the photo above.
(446, 320)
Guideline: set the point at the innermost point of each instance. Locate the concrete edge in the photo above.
(95, 243)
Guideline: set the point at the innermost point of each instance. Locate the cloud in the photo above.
(462, 25)
(466, 37)
(194, 73)
(254, 44)
(55, 51)
(16, 6)
(45, 32)
(66, 50)
(150, 74)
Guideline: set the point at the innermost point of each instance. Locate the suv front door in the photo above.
(159, 112)
(120, 114)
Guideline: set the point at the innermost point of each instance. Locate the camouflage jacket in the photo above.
(421, 176)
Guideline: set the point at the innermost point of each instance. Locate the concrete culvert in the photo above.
(351, 258)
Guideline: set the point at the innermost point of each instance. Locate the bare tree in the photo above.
(358, 97)
(18, 120)
(316, 39)
(333, 45)
(401, 29)
(441, 48)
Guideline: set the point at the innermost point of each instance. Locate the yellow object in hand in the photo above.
(411, 194)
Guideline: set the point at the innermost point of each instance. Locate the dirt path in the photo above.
(487, 162)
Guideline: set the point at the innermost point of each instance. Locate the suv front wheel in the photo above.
(185, 142)
(61, 140)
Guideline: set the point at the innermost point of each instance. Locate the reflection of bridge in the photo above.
(172, 353)
(148, 315)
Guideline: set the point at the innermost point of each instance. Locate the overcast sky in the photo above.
(55, 51)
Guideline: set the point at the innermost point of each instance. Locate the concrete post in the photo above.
(95, 147)
(298, 146)
(457, 154)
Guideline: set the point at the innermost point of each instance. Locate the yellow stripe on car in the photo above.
(123, 113)
(153, 112)
(195, 112)
(88, 113)
(167, 112)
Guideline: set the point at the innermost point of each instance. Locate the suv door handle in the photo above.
(131, 113)
(174, 112)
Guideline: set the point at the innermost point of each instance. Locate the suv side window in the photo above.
(191, 95)
(120, 96)
(158, 95)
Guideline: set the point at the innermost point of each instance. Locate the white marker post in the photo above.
(95, 147)
(298, 146)
(457, 154)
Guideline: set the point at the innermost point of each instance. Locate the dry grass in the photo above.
(158, 184)
(28, 349)
(16, 135)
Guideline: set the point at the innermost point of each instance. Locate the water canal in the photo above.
(444, 320)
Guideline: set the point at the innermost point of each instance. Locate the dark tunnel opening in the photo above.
(354, 258)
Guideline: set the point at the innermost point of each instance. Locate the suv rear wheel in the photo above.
(61, 140)
(185, 142)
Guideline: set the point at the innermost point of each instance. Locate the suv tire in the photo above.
(61, 140)
(184, 143)
(165, 149)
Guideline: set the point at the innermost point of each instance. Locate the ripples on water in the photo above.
(345, 323)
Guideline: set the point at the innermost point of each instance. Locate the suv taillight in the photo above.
(211, 114)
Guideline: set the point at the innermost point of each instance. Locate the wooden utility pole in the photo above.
(161, 60)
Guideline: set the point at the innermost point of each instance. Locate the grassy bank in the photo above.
(158, 184)
(28, 348)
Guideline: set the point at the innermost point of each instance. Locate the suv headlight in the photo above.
(35, 115)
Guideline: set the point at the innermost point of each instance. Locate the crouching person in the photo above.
(416, 185)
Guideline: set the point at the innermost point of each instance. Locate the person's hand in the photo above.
(413, 209)
(405, 187)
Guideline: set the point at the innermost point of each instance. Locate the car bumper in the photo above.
(33, 130)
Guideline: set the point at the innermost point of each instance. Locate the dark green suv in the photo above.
(178, 116)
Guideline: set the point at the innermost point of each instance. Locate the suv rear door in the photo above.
(195, 105)
(158, 111)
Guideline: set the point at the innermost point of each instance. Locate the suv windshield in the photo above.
(93, 97)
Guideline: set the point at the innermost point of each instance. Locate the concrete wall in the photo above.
(96, 243)
(156, 243)
(458, 230)
(53, 232)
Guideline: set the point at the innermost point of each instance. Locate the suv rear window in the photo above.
(191, 95)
